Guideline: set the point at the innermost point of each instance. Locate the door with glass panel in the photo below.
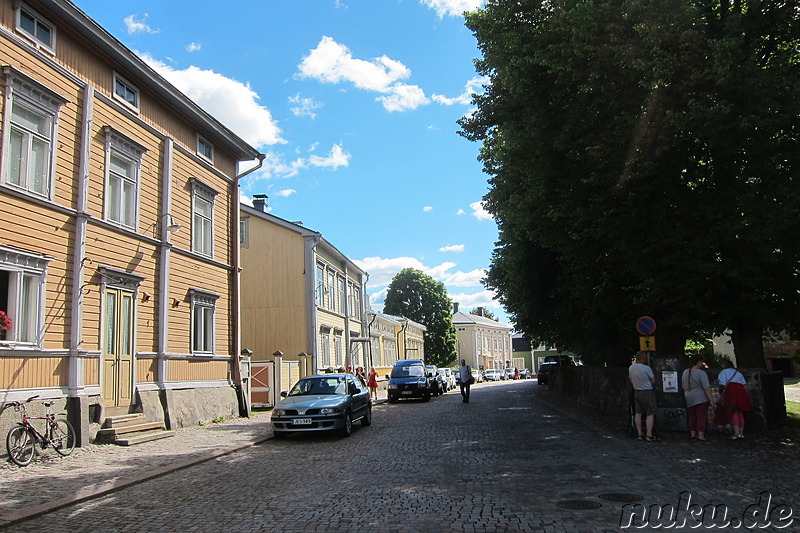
(118, 348)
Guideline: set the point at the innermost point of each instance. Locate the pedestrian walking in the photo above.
(372, 382)
(643, 380)
(697, 391)
(736, 400)
(465, 380)
(360, 375)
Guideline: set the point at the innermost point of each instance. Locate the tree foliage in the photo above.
(643, 160)
(415, 295)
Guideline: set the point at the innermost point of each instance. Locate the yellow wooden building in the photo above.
(302, 296)
(118, 255)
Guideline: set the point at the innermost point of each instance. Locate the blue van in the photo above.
(409, 379)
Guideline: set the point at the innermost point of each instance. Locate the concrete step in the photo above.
(142, 437)
(112, 432)
(124, 420)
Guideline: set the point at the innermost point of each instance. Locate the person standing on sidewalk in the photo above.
(372, 383)
(465, 380)
(697, 391)
(736, 399)
(643, 379)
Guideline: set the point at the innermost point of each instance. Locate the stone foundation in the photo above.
(189, 407)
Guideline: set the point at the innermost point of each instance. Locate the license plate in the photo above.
(406, 392)
(301, 422)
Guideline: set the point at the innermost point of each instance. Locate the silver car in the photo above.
(325, 402)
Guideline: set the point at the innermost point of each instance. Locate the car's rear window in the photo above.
(408, 371)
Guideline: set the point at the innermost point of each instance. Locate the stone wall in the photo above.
(607, 390)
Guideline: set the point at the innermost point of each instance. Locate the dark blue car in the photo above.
(409, 379)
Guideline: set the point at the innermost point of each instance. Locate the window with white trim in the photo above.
(202, 218)
(244, 232)
(22, 282)
(329, 290)
(325, 347)
(320, 286)
(340, 302)
(205, 148)
(30, 129)
(126, 92)
(203, 309)
(123, 164)
(37, 28)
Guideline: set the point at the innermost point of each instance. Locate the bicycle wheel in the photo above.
(62, 437)
(21, 445)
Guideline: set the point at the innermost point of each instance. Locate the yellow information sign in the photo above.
(647, 344)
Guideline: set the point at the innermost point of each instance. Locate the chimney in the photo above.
(455, 307)
(479, 311)
(260, 202)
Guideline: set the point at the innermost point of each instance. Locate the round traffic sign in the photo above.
(646, 326)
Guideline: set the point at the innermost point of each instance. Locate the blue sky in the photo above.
(355, 103)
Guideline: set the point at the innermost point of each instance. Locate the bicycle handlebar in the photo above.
(18, 404)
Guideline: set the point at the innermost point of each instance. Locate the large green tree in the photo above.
(415, 295)
(643, 160)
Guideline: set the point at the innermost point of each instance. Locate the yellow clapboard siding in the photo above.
(197, 370)
(33, 372)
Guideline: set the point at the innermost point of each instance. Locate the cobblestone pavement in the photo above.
(510, 460)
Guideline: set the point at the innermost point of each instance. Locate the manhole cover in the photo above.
(620, 497)
(578, 505)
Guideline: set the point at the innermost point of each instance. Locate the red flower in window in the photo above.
(5, 322)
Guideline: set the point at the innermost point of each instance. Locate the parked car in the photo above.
(447, 378)
(560, 359)
(409, 379)
(524, 373)
(492, 374)
(325, 402)
(509, 373)
(545, 369)
(437, 383)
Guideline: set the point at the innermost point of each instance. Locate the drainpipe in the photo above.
(236, 371)
(310, 243)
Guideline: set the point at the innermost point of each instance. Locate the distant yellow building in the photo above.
(118, 256)
(300, 296)
(484, 343)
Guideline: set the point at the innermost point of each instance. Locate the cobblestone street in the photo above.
(508, 461)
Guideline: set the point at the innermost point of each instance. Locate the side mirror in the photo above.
(353, 389)
(284, 393)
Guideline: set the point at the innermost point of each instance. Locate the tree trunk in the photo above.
(748, 344)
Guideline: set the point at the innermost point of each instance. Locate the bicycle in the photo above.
(23, 438)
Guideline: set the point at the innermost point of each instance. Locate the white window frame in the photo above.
(320, 280)
(37, 99)
(38, 21)
(122, 147)
(325, 346)
(27, 277)
(203, 142)
(244, 232)
(203, 337)
(136, 104)
(202, 224)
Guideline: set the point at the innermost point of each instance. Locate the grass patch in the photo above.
(793, 415)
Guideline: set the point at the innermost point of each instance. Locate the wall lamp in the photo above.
(171, 225)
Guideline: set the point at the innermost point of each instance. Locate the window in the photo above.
(337, 341)
(203, 307)
(31, 128)
(205, 149)
(355, 301)
(123, 161)
(340, 296)
(320, 285)
(202, 218)
(329, 288)
(325, 348)
(22, 276)
(126, 92)
(244, 232)
(37, 28)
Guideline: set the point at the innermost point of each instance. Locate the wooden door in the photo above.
(118, 348)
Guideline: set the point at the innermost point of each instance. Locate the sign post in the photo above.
(646, 326)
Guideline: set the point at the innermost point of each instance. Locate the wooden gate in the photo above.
(262, 389)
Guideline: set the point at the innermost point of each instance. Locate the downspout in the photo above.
(348, 357)
(404, 321)
(236, 371)
(165, 248)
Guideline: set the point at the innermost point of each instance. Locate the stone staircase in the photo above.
(131, 429)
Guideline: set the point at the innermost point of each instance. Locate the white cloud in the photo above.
(134, 25)
(473, 86)
(427, 209)
(230, 101)
(460, 212)
(479, 211)
(484, 298)
(331, 62)
(246, 200)
(455, 248)
(452, 7)
(336, 158)
(466, 279)
(303, 107)
(285, 192)
(194, 47)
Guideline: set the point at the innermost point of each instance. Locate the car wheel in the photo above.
(367, 420)
(280, 435)
(347, 430)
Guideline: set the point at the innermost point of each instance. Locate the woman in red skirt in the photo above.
(737, 400)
